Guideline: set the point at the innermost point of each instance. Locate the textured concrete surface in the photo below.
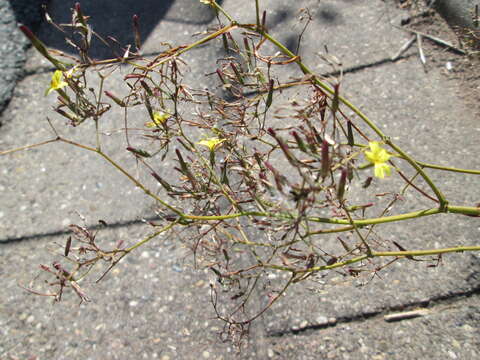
(459, 12)
(13, 44)
(155, 305)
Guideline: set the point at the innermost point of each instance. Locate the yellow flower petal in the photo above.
(57, 82)
(378, 157)
(211, 143)
(381, 170)
(159, 117)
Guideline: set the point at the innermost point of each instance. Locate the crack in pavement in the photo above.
(432, 303)
(350, 69)
(99, 226)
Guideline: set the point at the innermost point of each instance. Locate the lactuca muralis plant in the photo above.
(266, 167)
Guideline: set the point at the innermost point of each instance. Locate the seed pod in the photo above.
(269, 100)
(264, 20)
(233, 42)
(367, 182)
(247, 51)
(80, 16)
(224, 176)
(283, 145)
(185, 145)
(139, 152)
(325, 160)
(114, 98)
(220, 75)
(335, 101)
(185, 170)
(136, 31)
(146, 87)
(40, 46)
(237, 73)
(279, 179)
(351, 141)
(67, 245)
(301, 145)
(312, 144)
(225, 43)
(341, 184)
(344, 244)
(75, 119)
(162, 182)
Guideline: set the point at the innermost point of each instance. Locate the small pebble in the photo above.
(321, 320)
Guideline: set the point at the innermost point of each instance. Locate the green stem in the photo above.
(372, 255)
(446, 168)
(150, 237)
(28, 147)
(441, 198)
(465, 210)
(257, 12)
(202, 41)
(220, 9)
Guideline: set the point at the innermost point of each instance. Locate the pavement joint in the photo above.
(39, 236)
(350, 69)
(432, 303)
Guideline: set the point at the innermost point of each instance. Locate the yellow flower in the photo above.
(212, 143)
(57, 82)
(159, 118)
(378, 157)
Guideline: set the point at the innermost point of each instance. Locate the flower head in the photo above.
(159, 118)
(212, 143)
(57, 82)
(378, 156)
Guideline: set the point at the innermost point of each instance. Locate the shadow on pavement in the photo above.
(110, 17)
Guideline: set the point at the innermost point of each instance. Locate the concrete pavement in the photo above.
(155, 305)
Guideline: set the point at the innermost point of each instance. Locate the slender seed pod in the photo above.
(325, 160)
(161, 181)
(136, 32)
(237, 73)
(350, 138)
(114, 98)
(185, 170)
(301, 145)
(225, 43)
(139, 152)
(335, 101)
(269, 100)
(342, 184)
(40, 46)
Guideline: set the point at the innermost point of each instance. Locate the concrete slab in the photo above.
(155, 305)
(447, 331)
(333, 25)
(65, 178)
